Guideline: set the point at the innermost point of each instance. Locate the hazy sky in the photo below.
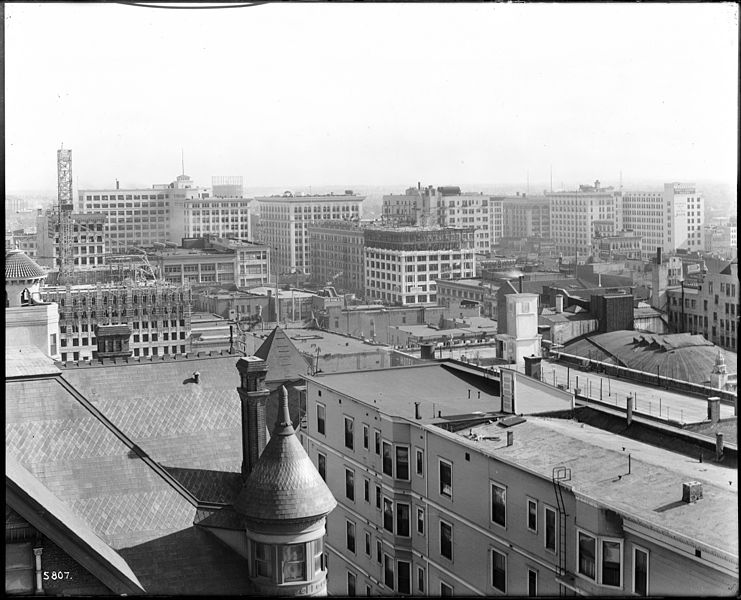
(289, 95)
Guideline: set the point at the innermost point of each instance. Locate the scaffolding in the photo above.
(64, 213)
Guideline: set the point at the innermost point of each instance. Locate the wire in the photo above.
(178, 6)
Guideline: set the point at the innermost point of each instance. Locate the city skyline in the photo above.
(507, 93)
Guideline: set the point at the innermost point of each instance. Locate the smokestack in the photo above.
(416, 411)
(510, 438)
(519, 279)
(253, 396)
(599, 279)
(559, 303)
(629, 410)
(714, 409)
(419, 186)
(718, 447)
(658, 255)
(116, 183)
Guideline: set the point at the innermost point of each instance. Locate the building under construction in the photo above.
(157, 315)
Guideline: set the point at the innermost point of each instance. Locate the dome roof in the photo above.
(20, 266)
(284, 485)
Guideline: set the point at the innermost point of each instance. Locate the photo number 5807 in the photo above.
(55, 575)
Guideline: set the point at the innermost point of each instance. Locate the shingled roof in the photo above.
(285, 484)
(19, 266)
(284, 361)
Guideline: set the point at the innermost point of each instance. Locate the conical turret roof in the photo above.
(19, 266)
(284, 485)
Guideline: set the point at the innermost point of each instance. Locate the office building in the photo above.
(482, 213)
(226, 217)
(157, 315)
(671, 220)
(721, 240)
(457, 294)
(442, 491)
(709, 308)
(402, 264)
(89, 242)
(574, 214)
(525, 216)
(208, 261)
(616, 246)
(284, 222)
(336, 249)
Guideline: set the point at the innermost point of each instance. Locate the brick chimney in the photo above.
(253, 395)
(691, 491)
(713, 409)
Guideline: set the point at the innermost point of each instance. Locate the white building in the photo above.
(482, 213)
(519, 337)
(284, 224)
(402, 264)
(227, 217)
(670, 220)
(575, 215)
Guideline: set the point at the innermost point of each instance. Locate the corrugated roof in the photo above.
(19, 265)
(284, 484)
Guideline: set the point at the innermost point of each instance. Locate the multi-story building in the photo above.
(227, 186)
(722, 240)
(624, 244)
(337, 254)
(208, 261)
(671, 220)
(403, 209)
(526, 216)
(227, 217)
(441, 492)
(402, 264)
(141, 217)
(23, 240)
(158, 316)
(482, 213)
(711, 308)
(284, 222)
(466, 293)
(573, 216)
(89, 243)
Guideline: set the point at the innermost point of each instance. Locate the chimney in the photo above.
(416, 411)
(629, 410)
(253, 395)
(691, 491)
(559, 303)
(419, 186)
(658, 255)
(116, 183)
(426, 351)
(196, 377)
(519, 279)
(510, 437)
(599, 279)
(714, 409)
(533, 366)
(718, 447)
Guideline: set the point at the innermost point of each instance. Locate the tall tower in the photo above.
(64, 212)
(284, 503)
(253, 395)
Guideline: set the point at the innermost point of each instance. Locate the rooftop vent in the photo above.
(691, 491)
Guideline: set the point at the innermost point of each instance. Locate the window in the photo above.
(420, 462)
(446, 540)
(421, 580)
(388, 465)
(611, 572)
(550, 528)
(388, 571)
(499, 571)
(350, 484)
(402, 519)
(532, 583)
(350, 535)
(402, 462)
(377, 436)
(321, 465)
(263, 560)
(421, 521)
(321, 413)
(532, 515)
(388, 515)
(499, 504)
(378, 551)
(294, 562)
(640, 571)
(350, 584)
(403, 569)
(367, 543)
(587, 551)
(366, 490)
(378, 496)
(446, 479)
(366, 436)
(349, 439)
(445, 589)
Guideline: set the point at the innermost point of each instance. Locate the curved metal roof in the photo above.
(284, 485)
(19, 266)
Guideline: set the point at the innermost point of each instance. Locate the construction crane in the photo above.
(64, 213)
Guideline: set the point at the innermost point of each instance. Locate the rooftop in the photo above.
(282, 294)
(27, 361)
(309, 341)
(650, 494)
(20, 266)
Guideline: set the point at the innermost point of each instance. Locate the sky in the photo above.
(381, 94)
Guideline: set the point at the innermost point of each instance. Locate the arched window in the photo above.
(25, 297)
